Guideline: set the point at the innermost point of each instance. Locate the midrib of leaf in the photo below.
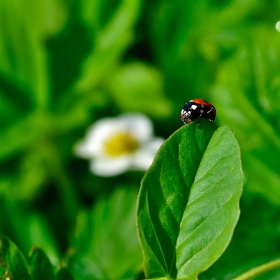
(173, 264)
(223, 201)
(202, 193)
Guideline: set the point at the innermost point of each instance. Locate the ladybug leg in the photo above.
(200, 115)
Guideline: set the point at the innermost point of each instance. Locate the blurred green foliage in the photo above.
(65, 64)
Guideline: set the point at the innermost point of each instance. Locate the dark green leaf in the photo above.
(13, 260)
(29, 229)
(188, 201)
(63, 274)
(40, 266)
(40, 234)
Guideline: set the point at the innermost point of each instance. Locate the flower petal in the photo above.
(106, 166)
(96, 136)
(144, 157)
(138, 125)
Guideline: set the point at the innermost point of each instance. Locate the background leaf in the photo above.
(134, 84)
(100, 238)
(112, 36)
(28, 229)
(177, 190)
(23, 55)
(63, 274)
(251, 107)
(40, 266)
(13, 260)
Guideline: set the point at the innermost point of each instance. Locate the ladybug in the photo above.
(196, 109)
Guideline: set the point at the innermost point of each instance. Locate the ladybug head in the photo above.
(190, 112)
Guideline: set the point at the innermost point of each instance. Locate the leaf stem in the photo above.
(259, 270)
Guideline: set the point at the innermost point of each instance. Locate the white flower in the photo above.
(115, 145)
(278, 26)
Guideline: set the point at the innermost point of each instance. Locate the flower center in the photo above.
(121, 143)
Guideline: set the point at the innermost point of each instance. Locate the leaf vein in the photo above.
(155, 232)
(205, 219)
(204, 248)
(212, 185)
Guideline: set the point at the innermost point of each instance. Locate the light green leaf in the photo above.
(189, 201)
(13, 260)
(23, 58)
(40, 266)
(110, 40)
(136, 83)
(41, 235)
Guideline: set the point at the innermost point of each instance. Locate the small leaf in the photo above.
(13, 260)
(63, 274)
(188, 202)
(40, 266)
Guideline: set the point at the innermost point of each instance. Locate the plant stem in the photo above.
(259, 270)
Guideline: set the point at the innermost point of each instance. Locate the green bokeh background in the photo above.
(66, 63)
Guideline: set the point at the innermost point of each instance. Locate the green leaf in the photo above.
(134, 84)
(189, 201)
(40, 266)
(11, 138)
(246, 96)
(110, 39)
(13, 260)
(63, 274)
(106, 239)
(23, 58)
(23, 55)
(40, 234)
(29, 229)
